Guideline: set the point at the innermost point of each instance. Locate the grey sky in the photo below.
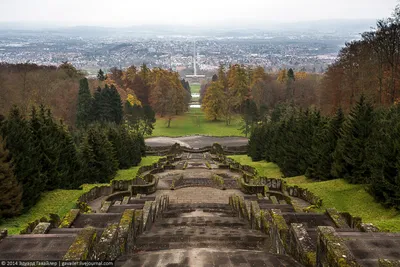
(200, 12)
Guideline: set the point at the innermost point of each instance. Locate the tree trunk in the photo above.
(169, 122)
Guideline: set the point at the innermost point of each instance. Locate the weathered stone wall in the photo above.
(107, 248)
(331, 249)
(82, 247)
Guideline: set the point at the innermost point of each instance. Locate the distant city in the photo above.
(92, 48)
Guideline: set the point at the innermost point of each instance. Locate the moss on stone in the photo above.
(69, 218)
(311, 258)
(338, 219)
(389, 263)
(80, 248)
(337, 253)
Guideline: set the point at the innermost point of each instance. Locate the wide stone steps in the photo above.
(203, 234)
(35, 247)
(203, 221)
(207, 257)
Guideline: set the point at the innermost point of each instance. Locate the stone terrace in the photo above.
(202, 210)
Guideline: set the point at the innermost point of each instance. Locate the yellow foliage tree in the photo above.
(214, 101)
(282, 76)
(133, 100)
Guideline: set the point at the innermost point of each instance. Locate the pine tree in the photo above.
(100, 75)
(116, 105)
(383, 153)
(98, 157)
(350, 158)
(27, 167)
(83, 114)
(323, 146)
(249, 116)
(257, 142)
(10, 189)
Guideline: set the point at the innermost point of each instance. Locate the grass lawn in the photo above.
(265, 169)
(61, 201)
(195, 88)
(337, 194)
(131, 173)
(194, 122)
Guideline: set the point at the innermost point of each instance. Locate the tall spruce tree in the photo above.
(250, 116)
(383, 154)
(84, 110)
(257, 142)
(323, 146)
(100, 75)
(26, 157)
(97, 156)
(10, 189)
(350, 156)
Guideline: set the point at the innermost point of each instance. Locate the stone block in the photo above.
(279, 231)
(126, 231)
(69, 218)
(138, 222)
(300, 245)
(125, 201)
(255, 215)
(42, 228)
(147, 214)
(107, 247)
(337, 218)
(274, 200)
(106, 206)
(332, 250)
(81, 248)
(369, 228)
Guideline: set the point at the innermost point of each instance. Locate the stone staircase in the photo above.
(87, 236)
(317, 239)
(203, 234)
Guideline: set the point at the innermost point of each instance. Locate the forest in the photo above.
(81, 135)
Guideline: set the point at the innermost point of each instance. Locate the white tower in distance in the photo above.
(194, 75)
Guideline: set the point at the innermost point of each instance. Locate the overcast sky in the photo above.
(186, 12)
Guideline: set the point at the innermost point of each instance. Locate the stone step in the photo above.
(282, 207)
(185, 236)
(190, 242)
(122, 208)
(97, 220)
(137, 201)
(310, 220)
(34, 247)
(200, 206)
(191, 212)
(206, 257)
(202, 221)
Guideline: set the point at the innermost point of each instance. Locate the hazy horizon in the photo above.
(207, 13)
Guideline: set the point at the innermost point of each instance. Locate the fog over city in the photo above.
(182, 12)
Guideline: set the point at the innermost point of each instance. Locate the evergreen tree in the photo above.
(117, 110)
(100, 75)
(350, 158)
(257, 142)
(27, 167)
(83, 114)
(249, 116)
(107, 105)
(323, 146)
(98, 157)
(10, 189)
(383, 154)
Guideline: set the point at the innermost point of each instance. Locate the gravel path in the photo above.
(196, 141)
